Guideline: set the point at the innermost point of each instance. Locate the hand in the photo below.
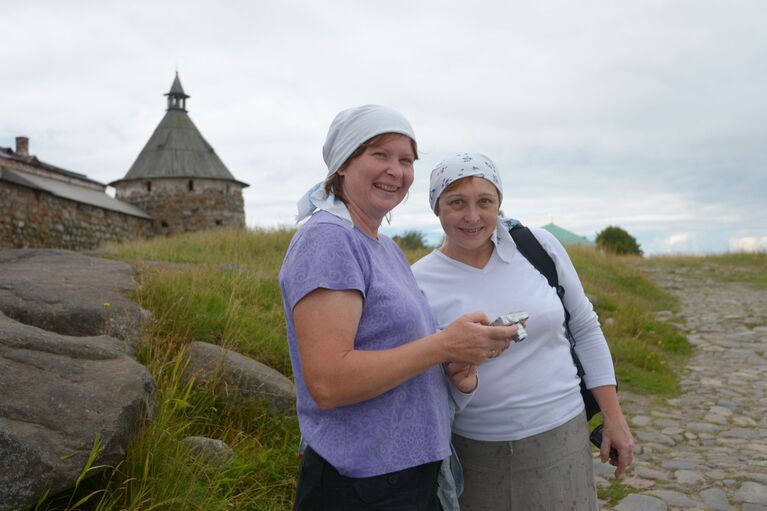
(616, 435)
(469, 339)
(463, 376)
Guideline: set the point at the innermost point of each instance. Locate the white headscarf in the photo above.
(347, 132)
(473, 164)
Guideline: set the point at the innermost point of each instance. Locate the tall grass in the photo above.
(221, 287)
(257, 249)
(236, 308)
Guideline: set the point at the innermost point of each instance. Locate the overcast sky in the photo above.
(649, 115)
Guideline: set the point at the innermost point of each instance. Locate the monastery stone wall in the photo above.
(34, 219)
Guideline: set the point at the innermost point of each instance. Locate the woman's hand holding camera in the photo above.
(471, 340)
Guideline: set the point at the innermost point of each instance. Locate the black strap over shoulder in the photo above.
(529, 246)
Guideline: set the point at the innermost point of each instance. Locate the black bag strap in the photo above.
(529, 246)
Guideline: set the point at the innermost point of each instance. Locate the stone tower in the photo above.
(179, 180)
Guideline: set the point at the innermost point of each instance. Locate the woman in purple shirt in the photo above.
(372, 396)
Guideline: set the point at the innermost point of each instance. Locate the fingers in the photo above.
(469, 341)
(463, 376)
(504, 332)
(476, 317)
(502, 337)
(625, 458)
(456, 368)
(619, 440)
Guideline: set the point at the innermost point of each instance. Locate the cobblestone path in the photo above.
(707, 448)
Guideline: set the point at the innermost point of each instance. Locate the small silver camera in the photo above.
(514, 318)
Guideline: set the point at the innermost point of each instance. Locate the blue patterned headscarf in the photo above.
(474, 164)
(461, 166)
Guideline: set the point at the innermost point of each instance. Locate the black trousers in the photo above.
(322, 488)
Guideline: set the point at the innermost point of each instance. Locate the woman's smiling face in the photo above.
(468, 212)
(377, 180)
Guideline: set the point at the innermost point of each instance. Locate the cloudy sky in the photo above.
(650, 115)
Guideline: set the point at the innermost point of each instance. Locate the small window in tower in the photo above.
(219, 223)
(148, 186)
(190, 185)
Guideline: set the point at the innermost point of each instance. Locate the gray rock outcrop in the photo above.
(70, 293)
(211, 450)
(239, 375)
(58, 394)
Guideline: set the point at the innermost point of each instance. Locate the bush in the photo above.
(616, 240)
(411, 240)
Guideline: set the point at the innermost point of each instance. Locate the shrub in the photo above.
(411, 240)
(618, 241)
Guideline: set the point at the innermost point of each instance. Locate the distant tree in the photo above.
(616, 240)
(411, 240)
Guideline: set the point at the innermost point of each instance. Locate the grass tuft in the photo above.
(614, 492)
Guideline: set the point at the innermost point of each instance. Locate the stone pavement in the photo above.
(707, 448)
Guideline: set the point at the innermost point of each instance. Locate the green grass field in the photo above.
(221, 287)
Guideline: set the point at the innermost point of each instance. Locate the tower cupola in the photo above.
(176, 96)
(179, 180)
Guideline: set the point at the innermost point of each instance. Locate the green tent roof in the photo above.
(566, 237)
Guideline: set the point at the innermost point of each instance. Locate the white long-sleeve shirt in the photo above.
(533, 386)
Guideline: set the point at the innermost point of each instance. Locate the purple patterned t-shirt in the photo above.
(407, 426)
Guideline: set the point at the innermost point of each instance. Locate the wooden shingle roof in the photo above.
(177, 149)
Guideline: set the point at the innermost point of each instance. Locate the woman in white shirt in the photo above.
(522, 438)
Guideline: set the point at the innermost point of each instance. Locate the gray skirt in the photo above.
(551, 471)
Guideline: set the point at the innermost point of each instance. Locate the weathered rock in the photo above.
(679, 464)
(689, 477)
(673, 498)
(715, 499)
(641, 420)
(239, 375)
(603, 469)
(654, 437)
(636, 502)
(211, 450)
(638, 483)
(70, 293)
(60, 394)
(754, 493)
(650, 473)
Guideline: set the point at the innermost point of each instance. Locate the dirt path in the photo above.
(706, 448)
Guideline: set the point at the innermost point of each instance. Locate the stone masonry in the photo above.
(34, 218)
(185, 205)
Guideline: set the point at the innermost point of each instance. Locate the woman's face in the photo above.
(468, 212)
(377, 180)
